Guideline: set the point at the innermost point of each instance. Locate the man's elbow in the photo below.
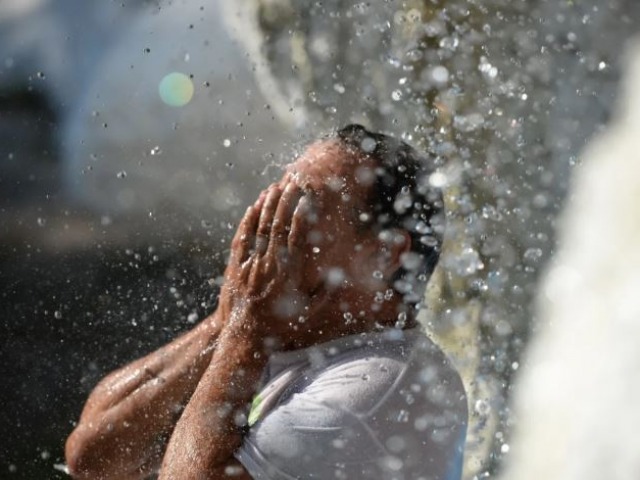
(79, 451)
(88, 458)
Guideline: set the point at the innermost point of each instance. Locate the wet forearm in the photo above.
(210, 429)
(129, 416)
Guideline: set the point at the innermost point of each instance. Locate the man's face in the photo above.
(343, 248)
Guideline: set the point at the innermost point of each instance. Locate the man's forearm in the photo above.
(210, 428)
(129, 416)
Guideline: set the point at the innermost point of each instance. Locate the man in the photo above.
(317, 317)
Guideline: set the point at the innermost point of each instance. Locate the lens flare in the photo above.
(176, 89)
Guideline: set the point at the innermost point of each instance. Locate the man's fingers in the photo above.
(266, 218)
(299, 228)
(282, 221)
(244, 238)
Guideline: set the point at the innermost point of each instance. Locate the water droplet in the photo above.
(176, 89)
(338, 443)
(41, 75)
(233, 470)
(226, 142)
(482, 407)
(396, 95)
(365, 377)
(155, 150)
(468, 262)
(315, 250)
(192, 317)
(121, 174)
(411, 260)
(338, 87)
(403, 416)
(532, 255)
(368, 144)
(468, 123)
(504, 448)
(438, 179)
(348, 318)
(439, 74)
(378, 275)
(57, 314)
(41, 222)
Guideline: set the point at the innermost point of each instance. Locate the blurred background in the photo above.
(133, 135)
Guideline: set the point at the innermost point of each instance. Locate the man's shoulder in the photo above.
(405, 369)
(385, 373)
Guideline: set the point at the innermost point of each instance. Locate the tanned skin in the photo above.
(275, 297)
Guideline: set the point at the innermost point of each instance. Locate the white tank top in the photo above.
(385, 405)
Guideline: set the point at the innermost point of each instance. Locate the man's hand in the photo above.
(264, 280)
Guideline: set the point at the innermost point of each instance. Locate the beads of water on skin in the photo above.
(364, 217)
(335, 276)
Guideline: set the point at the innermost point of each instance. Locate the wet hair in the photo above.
(402, 197)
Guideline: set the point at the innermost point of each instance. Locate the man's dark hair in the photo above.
(402, 197)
